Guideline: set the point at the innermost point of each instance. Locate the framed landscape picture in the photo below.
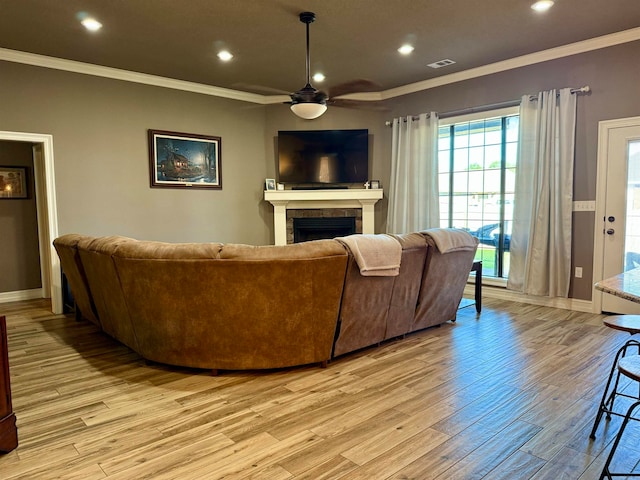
(13, 182)
(183, 160)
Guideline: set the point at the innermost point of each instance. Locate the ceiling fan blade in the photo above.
(259, 89)
(359, 104)
(354, 86)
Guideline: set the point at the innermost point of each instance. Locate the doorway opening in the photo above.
(46, 211)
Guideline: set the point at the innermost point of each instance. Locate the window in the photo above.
(476, 168)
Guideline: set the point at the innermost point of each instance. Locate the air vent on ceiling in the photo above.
(441, 63)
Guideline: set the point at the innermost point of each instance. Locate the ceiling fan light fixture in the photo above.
(308, 103)
(308, 110)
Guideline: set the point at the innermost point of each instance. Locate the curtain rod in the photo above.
(492, 106)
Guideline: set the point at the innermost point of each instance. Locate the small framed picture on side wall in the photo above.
(270, 183)
(13, 182)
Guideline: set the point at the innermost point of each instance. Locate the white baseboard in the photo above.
(556, 302)
(20, 295)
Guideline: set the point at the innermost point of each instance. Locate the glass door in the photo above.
(621, 223)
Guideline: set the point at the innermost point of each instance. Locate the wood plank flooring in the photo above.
(510, 394)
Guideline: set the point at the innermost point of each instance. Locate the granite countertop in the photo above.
(626, 285)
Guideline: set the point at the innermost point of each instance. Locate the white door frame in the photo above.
(47, 212)
(604, 130)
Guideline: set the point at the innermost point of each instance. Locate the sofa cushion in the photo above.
(444, 278)
(406, 287)
(312, 249)
(167, 251)
(233, 306)
(96, 255)
(67, 248)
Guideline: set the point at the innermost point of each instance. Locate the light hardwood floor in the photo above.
(510, 394)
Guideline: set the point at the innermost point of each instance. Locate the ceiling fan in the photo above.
(310, 103)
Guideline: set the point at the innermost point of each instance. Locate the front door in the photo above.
(621, 221)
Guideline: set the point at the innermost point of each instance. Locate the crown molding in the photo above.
(365, 96)
(126, 75)
(604, 41)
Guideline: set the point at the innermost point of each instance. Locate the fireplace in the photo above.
(313, 224)
(305, 229)
(348, 202)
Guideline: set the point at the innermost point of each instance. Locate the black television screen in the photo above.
(323, 156)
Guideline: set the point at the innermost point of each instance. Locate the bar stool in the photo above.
(628, 366)
(631, 325)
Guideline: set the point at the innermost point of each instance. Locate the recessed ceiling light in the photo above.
(91, 24)
(318, 77)
(225, 55)
(406, 49)
(542, 5)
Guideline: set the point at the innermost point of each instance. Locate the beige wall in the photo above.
(19, 254)
(99, 129)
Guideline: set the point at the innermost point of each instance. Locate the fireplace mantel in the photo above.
(283, 200)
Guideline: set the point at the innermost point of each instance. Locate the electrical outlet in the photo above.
(578, 272)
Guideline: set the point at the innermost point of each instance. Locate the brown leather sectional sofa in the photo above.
(238, 307)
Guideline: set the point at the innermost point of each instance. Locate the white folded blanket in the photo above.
(452, 239)
(376, 255)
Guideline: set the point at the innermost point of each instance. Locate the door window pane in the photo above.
(632, 222)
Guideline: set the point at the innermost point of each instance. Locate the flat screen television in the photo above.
(323, 156)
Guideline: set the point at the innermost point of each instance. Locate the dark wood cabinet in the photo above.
(8, 430)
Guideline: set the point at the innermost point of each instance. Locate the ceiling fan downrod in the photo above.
(308, 103)
(307, 18)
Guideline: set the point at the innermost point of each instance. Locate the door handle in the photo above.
(610, 231)
(611, 218)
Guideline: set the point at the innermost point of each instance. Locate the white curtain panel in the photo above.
(541, 235)
(413, 191)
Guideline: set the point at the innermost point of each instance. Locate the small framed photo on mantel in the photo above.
(184, 160)
(270, 183)
(375, 184)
